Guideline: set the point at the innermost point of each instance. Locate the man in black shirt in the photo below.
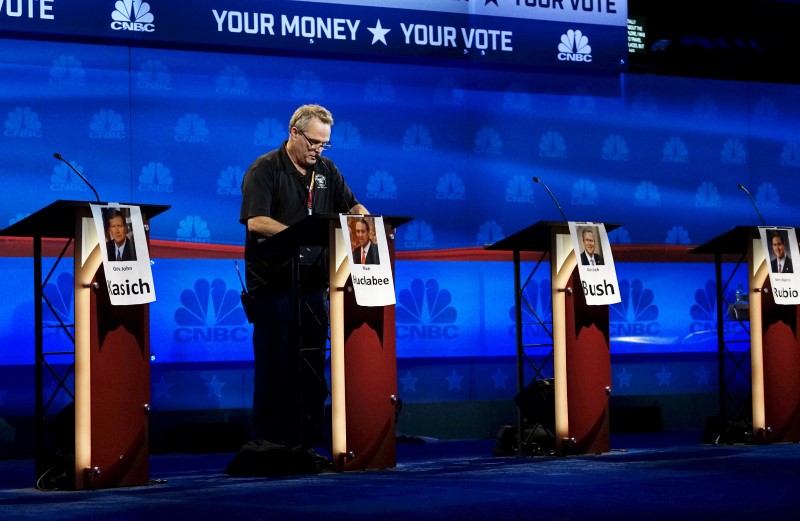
(281, 188)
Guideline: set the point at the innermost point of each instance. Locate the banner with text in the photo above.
(574, 34)
(370, 265)
(126, 260)
(780, 247)
(595, 263)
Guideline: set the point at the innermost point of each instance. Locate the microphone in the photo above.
(553, 197)
(741, 187)
(61, 158)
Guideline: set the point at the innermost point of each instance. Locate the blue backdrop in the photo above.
(455, 148)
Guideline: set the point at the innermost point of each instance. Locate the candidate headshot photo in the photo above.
(119, 236)
(780, 262)
(590, 256)
(362, 235)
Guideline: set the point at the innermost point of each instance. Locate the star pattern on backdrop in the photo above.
(702, 375)
(487, 2)
(663, 377)
(454, 381)
(624, 378)
(378, 33)
(500, 379)
(409, 382)
(162, 388)
(214, 387)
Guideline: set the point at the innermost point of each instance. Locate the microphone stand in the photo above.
(61, 158)
(741, 187)
(553, 197)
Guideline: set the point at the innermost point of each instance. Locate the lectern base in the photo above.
(264, 458)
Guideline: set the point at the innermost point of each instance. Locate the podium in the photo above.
(774, 343)
(580, 334)
(363, 358)
(110, 362)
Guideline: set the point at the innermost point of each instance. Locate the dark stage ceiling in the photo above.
(754, 40)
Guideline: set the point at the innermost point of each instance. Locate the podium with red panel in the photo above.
(774, 341)
(580, 333)
(110, 365)
(363, 352)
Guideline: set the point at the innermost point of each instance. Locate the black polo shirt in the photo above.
(272, 187)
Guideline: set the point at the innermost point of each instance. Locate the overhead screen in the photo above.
(579, 35)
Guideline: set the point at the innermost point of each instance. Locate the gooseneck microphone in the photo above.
(741, 187)
(61, 158)
(553, 197)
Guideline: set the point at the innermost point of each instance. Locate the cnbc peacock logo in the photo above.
(211, 314)
(132, 15)
(424, 312)
(59, 297)
(704, 311)
(537, 310)
(635, 314)
(574, 47)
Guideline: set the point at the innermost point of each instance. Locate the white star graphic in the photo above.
(454, 381)
(162, 388)
(499, 379)
(663, 377)
(378, 33)
(214, 387)
(624, 378)
(702, 375)
(409, 382)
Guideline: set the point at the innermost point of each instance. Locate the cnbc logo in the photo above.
(450, 187)
(23, 122)
(489, 232)
(574, 47)
(537, 311)
(704, 312)
(211, 313)
(107, 124)
(424, 312)
(59, 310)
(191, 128)
(635, 315)
(132, 15)
(418, 234)
(381, 185)
(193, 229)
(230, 181)
(64, 180)
(156, 177)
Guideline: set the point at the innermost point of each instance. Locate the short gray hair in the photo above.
(304, 114)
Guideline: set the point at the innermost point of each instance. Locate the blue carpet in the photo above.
(644, 477)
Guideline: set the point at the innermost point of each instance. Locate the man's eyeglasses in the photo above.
(324, 145)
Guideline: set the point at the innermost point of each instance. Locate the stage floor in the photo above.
(644, 477)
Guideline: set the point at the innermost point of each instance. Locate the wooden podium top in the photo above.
(57, 220)
(314, 231)
(732, 241)
(536, 237)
